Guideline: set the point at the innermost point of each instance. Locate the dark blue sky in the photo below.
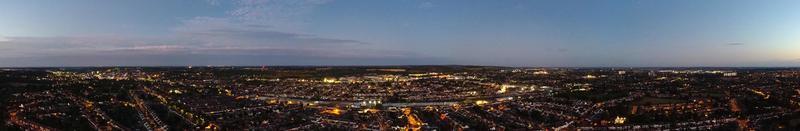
(407, 32)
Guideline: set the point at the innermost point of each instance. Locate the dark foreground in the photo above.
(399, 98)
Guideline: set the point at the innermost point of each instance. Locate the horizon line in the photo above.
(387, 65)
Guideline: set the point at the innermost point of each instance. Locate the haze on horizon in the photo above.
(400, 32)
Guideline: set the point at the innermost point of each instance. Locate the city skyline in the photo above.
(400, 98)
(546, 33)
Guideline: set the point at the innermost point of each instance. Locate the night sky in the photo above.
(549, 33)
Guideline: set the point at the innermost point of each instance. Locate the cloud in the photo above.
(214, 2)
(267, 23)
(4, 39)
(51, 46)
(426, 5)
(189, 59)
(92, 51)
(221, 32)
(282, 15)
(734, 44)
(208, 44)
(252, 30)
(276, 15)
